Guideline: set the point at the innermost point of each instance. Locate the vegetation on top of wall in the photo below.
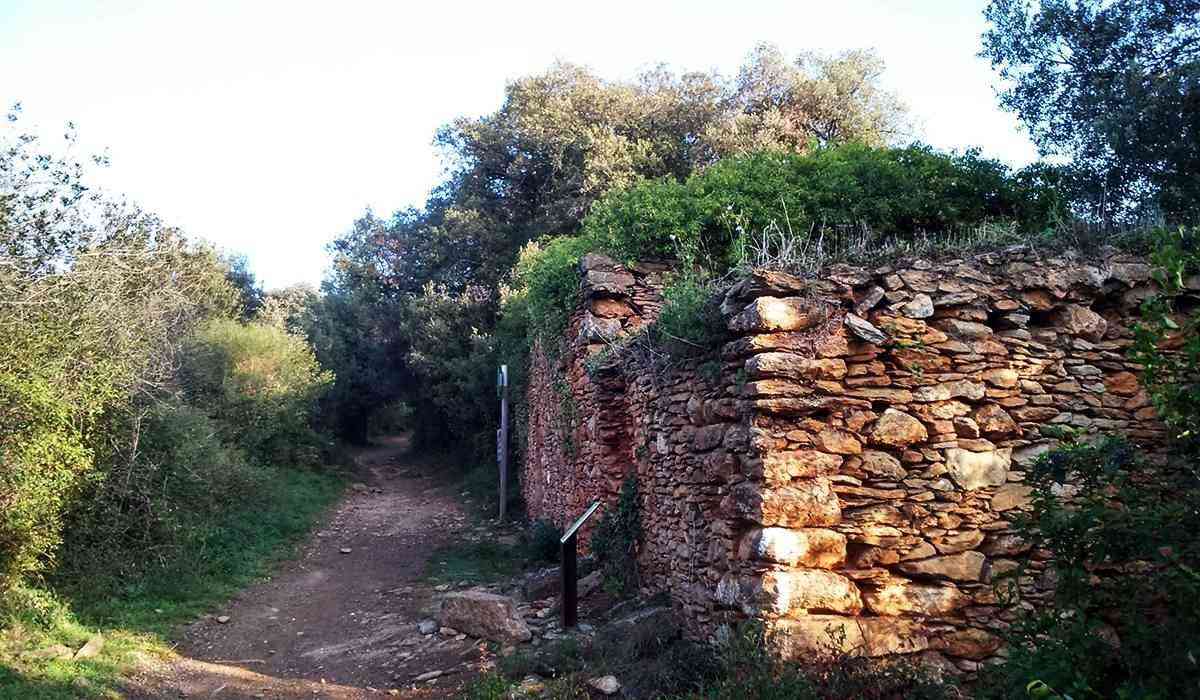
(899, 192)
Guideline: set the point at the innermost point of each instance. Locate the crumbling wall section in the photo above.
(847, 466)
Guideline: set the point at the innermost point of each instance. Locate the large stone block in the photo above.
(801, 591)
(783, 364)
(809, 547)
(965, 566)
(803, 503)
(815, 635)
(901, 597)
(976, 470)
(1081, 321)
(772, 314)
(782, 466)
(898, 429)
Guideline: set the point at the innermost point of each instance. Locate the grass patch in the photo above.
(136, 616)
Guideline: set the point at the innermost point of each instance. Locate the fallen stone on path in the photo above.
(486, 615)
(427, 626)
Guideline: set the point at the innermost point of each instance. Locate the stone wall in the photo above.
(847, 465)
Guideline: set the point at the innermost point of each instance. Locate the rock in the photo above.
(958, 541)
(968, 330)
(787, 365)
(486, 615)
(901, 597)
(864, 330)
(345, 550)
(965, 566)
(798, 464)
(1122, 384)
(806, 590)
(803, 503)
(994, 421)
(588, 584)
(838, 442)
(809, 547)
(92, 649)
(427, 627)
(1011, 496)
(968, 643)
(1081, 321)
(607, 685)
(428, 676)
(881, 464)
(771, 314)
(611, 308)
(541, 583)
(898, 429)
(223, 619)
(975, 470)
(1002, 377)
(943, 391)
(920, 306)
(529, 687)
(870, 300)
(817, 635)
(593, 329)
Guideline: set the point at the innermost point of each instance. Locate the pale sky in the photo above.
(267, 127)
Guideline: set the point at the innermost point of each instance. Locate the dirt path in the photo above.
(335, 623)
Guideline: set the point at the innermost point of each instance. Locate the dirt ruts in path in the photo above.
(334, 623)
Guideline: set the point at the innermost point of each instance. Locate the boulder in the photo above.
(814, 635)
(485, 615)
(803, 503)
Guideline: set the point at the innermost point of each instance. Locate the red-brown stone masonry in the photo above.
(851, 459)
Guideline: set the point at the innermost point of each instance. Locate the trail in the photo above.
(331, 623)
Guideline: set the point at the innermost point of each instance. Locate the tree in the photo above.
(1114, 87)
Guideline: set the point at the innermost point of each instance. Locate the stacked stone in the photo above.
(851, 471)
(893, 411)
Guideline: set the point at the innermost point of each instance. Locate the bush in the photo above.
(42, 457)
(690, 321)
(260, 385)
(615, 541)
(893, 191)
(161, 499)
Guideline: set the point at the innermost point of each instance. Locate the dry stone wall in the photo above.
(847, 466)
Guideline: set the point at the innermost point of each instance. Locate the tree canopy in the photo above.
(1113, 86)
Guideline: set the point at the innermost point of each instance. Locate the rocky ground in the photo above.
(354, 616)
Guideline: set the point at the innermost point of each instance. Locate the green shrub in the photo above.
(690, 321)
(42, 457)
(260, 385)
(890, 191)
(546, 278)
(615, 541)
(142, 509)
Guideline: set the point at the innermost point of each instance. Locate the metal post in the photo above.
(570, 586)
(502, 437)
(569, 569)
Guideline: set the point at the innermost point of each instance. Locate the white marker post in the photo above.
(502, 435)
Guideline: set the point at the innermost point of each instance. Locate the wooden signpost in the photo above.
(502, 436)
(569, 568)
